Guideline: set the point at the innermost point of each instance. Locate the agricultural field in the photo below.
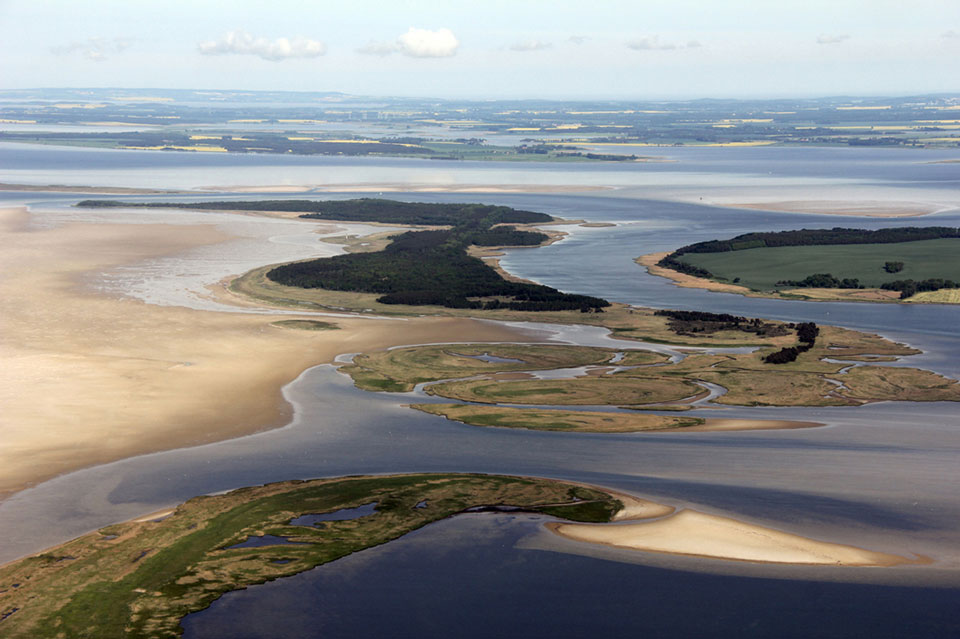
(761, 268)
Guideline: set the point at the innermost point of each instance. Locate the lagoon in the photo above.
(881, 476)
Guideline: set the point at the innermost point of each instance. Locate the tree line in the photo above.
(807, 333)
(357, 210)
(433, 268)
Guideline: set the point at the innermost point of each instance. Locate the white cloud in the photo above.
(423, 43)
(653, 43)
(96, 49)
(242, 43)
(950, 35)
(831, 39)
(417, 43)
(530, 45)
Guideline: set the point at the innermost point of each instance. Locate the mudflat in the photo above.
(88, 378)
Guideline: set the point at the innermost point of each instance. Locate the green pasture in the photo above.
(762, 268)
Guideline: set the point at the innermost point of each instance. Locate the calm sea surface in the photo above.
(882, 476)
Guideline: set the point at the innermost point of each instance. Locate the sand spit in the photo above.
(690, 532)
(842, 207)
(404, 187)
(683, 280)
(88, 379)
(725, 424)
(106, 190)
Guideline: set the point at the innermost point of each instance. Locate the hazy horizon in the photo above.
(468, 50)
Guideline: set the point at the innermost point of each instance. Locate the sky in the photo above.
(639, 49)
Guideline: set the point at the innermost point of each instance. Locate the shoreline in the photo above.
(839, 207)
(868, 295)
(691, 533)
(106, 190)
(89, 379)
(173, 377)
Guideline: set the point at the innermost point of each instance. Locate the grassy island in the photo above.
(853, 264)
(557, 420)
(139, 579)
(795, 365)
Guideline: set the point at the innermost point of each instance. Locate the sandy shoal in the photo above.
(842, 207)
(683, 280)
(407, 187)
(690, 532)
(66, 188)
(713, 424)
(87, 379)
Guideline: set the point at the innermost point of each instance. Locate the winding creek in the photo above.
(882, 476)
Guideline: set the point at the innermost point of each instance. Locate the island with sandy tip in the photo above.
(690, 532)
(140, 578)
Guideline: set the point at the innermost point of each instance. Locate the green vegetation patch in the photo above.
(139, 579)
(401, 369)
(357, 210)
(584, 391)
(418, 268)
(481, 373)
(433, 267)
(766, 268)
(307, 325)
(556, 420)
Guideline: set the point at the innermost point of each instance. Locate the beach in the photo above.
(691, 532)
(89, 378)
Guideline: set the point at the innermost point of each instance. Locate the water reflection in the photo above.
(483, 581)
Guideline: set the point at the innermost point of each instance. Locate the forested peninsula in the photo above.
(429, 267)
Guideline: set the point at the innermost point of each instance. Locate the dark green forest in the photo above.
(418, 267)
(358, 210)
(433, 268)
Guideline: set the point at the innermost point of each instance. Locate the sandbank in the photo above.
(842, 207)
(88, 379)
(405, 187)
(66, 188)
(713, 424)
(683, 280)
(690, 532)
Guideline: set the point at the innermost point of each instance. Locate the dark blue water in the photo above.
(478, 584)
(344, 514)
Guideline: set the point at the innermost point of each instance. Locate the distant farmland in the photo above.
(762, 268)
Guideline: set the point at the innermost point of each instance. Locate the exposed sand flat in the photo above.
(367, 187)
(683, 280)
(842, 207)
(722, 424)
(87, 379)
(66, 188)
(636, 508)
(694, 533)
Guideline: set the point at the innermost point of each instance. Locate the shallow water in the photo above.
(882, 476)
